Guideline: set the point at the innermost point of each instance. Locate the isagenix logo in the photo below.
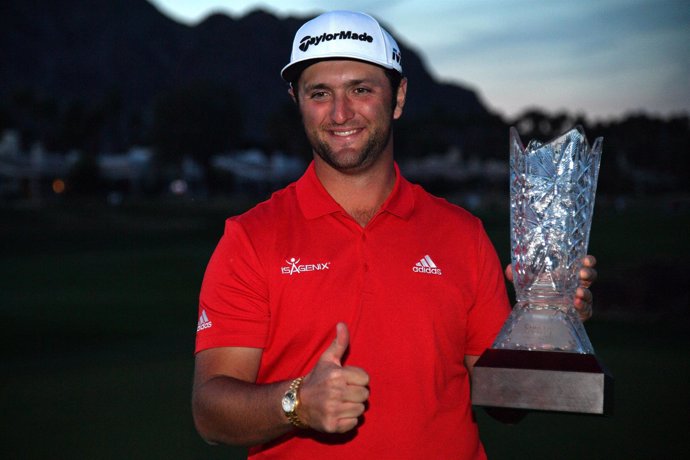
(294, 267)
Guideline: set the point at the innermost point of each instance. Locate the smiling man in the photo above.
(368, 353)
(347, 108)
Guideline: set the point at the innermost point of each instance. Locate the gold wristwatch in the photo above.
(290, 403)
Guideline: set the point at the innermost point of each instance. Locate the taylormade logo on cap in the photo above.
(342, 34)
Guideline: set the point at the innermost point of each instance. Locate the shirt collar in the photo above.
(314, 200)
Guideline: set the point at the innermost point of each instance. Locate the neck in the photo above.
(361, 194)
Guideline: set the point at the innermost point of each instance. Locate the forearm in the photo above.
(231, 411)
(470, 361)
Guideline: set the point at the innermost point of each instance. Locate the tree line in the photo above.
(643, 153)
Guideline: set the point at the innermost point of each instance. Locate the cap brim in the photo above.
(292, 71)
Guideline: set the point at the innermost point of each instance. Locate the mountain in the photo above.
(128, 51)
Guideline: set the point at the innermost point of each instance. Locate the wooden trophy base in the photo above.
(542, 380)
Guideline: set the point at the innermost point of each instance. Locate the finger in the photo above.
(584, 310)
(346, 424)
(587, 273)
(349, 417)
(355, 376)
(583, 303)
(509, 272)
(356, 393)
(587, 276)
(334, 353)
(584, 295)
(352, 410)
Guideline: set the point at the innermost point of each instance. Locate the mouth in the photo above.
(344, 132)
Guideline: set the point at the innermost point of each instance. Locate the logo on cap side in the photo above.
(326, 37)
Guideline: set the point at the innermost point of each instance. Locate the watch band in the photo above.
(292, 415)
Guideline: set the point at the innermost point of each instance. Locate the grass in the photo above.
(99, 312)
(99, 308)
(651, 370)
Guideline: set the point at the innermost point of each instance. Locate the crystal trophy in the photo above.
(542, 359)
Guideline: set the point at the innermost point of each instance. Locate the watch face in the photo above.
(289, 402)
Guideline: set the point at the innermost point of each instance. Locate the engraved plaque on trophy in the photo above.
(542, 359)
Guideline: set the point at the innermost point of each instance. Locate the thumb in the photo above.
(334, 353)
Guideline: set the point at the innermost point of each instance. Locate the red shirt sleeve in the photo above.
(491, 307)
(233, 303)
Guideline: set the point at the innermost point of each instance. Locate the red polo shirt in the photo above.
(419, 287)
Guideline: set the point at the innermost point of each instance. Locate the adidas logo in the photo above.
(426, 265)
(204, 322)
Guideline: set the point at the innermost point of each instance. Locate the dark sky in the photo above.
(603, 58)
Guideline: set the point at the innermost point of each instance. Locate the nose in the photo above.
(342, 109)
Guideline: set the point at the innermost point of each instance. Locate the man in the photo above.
(408, 285)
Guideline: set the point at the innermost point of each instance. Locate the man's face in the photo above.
(347, 112)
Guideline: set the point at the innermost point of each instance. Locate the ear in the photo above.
(291, 92)
(400, 99)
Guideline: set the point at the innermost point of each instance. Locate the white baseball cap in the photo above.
(342, 34)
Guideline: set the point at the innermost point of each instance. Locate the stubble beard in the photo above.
(348, 162)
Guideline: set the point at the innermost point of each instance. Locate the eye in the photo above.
(318, 95)
(362, 90)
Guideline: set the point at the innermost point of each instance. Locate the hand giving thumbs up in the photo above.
(333, 395)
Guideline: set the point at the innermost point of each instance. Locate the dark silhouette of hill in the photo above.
(128, 53)
(104, 75)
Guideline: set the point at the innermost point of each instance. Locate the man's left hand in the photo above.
(583, 296)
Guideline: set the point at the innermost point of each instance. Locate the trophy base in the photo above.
(542, 380)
